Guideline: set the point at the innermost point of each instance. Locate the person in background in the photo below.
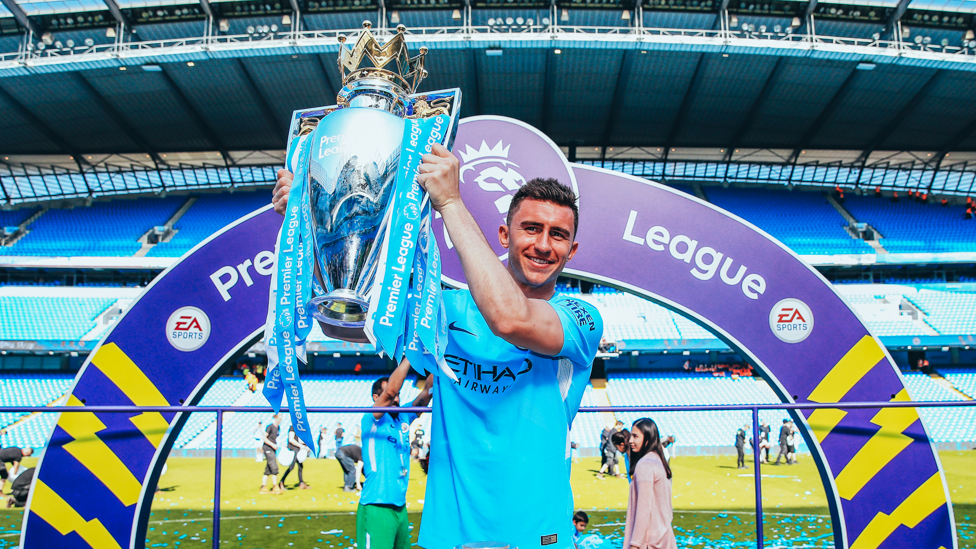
(269, 446)
(764, 443)
(621, 441)
(323, 433)
(251, 380)
(740, 448)
(784, 433)
(11, 455)
(339, 432)
(259, 442)
(580, 521)
(296, 446)
(381, 519)
(649, 512)
(667, 444)
(609, 450)
(350, 458)
(20, 488)
(791, 441)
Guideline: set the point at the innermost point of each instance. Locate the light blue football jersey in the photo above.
(500, 447)
(386, 458)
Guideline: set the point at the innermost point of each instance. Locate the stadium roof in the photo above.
(875, 84)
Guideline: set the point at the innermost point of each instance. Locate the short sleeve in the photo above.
(582, 329)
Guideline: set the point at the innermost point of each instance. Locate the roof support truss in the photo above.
(196, 117)
(756, 106)
(118, 15)
(114, 115)
(825, 115)
(623, 76)
(907, 111)
(690, 92)
(20, 16)
(895, 16)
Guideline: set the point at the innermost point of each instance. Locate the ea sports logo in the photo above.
(188, 328)
(791, 320)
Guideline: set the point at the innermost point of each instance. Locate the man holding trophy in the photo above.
(516, 361)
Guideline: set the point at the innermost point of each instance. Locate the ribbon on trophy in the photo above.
(289, 322)
(386, 323)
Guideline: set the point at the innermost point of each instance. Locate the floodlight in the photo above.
(509, 21)
(250, 29)
(762, 28)
(89, 42)
(557, 51)
(778, 29)
(491, 22)
(40, 46)
(795, 22)
(945, 42)
(286, 19)
(529, 22)
(47, 38)
(927, 40)
(625, 15)
(110, 32)
(734, 22)
(545, 20)
(519, 21)
(970, 35)
(71, 43)
(274, 28)
(395, 17)
(456, 15)
(223, 25)
(564, 16)
(918, 39)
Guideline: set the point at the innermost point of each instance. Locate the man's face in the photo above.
(277, 420)
(539, 242)
(28, 451)
(580, 525)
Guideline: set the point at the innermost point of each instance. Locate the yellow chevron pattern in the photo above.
(54, 510)
(920, 504)
(883, 447)
(850, 369)
(96, 456)
(124, 373)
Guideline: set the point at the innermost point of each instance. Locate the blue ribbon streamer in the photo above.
(292, 322)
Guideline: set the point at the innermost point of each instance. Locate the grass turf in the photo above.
(713, 502)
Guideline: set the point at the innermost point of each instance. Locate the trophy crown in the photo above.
(390, 62)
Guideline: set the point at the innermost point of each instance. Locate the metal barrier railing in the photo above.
(754, 408)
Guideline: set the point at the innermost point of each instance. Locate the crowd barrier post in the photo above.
(756, 452)
(217, 462)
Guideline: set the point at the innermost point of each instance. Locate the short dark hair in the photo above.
(545, 190)
(581, 516)
(620, 437)
(378, 385)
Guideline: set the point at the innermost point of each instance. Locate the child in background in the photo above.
(580, 521)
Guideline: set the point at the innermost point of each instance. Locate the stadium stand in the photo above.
(915, 227)
(30, 390)
(224, 391)
(588, 426)
(943, 424)
(49, 318)
(13, 218)
(102, 229)
(207, 215)
(38, 314)
(805, 222)
(949, 312)
(693, 429)
(963, 379)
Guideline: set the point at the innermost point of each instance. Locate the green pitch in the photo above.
(713, 502)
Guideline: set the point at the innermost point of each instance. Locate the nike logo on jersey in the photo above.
(456, 328)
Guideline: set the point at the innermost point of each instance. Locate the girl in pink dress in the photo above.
(649, 510)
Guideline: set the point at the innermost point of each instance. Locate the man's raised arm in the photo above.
(528, 323)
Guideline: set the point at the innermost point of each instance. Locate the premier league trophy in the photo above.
(355, 153)
(355, 251)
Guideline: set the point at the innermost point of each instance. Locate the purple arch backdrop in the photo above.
(94, 485)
